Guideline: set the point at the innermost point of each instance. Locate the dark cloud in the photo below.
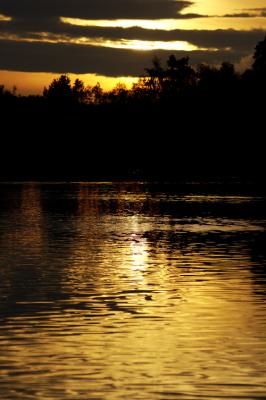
(260, 9)
(60, 58)
(239, 41)
(93, 9)
(238, 15)
(259, 13)
(249, 13)
(53, 25)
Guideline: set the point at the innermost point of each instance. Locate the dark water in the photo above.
(131, 291)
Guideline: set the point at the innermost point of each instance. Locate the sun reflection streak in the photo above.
(139, 253)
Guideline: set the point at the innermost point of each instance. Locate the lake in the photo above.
(132, 291)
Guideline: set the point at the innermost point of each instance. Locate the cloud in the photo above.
(260, 14)
(238, 15)
(248, 13)
(73, 58)
(93, 9)
(239, 41)
(39, 21)
(244, 63)
(260, 9)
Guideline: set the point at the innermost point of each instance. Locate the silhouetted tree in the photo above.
(5, 93)
(207, 78)
(259, 65)
(227, 72)
(60, 90)
(7, 98)
(228, 80)
(140, 93)
(95, 94)
(79, 93)
(119, 95)
(166, 84)
(155, 78)
(179, 72)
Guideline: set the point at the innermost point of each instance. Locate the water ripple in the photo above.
(114, 291)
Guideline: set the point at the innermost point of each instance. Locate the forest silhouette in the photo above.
(177, 122)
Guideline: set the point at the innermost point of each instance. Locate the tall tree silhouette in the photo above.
(180, 72)
(60, 90)
(259, 65)
(79, 93)
(156, 75)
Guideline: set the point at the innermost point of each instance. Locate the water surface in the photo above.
(131, 291)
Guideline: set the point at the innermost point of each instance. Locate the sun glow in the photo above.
(213, 23)
(119, 23)
(143, 45)
(126, 44)
(215, 8)
(5, 18)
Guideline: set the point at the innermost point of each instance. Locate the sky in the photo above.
(111, 41)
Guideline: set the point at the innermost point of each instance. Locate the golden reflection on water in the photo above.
(26, 229)
(130, 304)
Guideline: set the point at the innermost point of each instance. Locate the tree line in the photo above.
(176, 121)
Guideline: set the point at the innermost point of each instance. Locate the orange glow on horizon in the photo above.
(33, 82)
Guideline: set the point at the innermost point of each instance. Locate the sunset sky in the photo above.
(114, 40)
